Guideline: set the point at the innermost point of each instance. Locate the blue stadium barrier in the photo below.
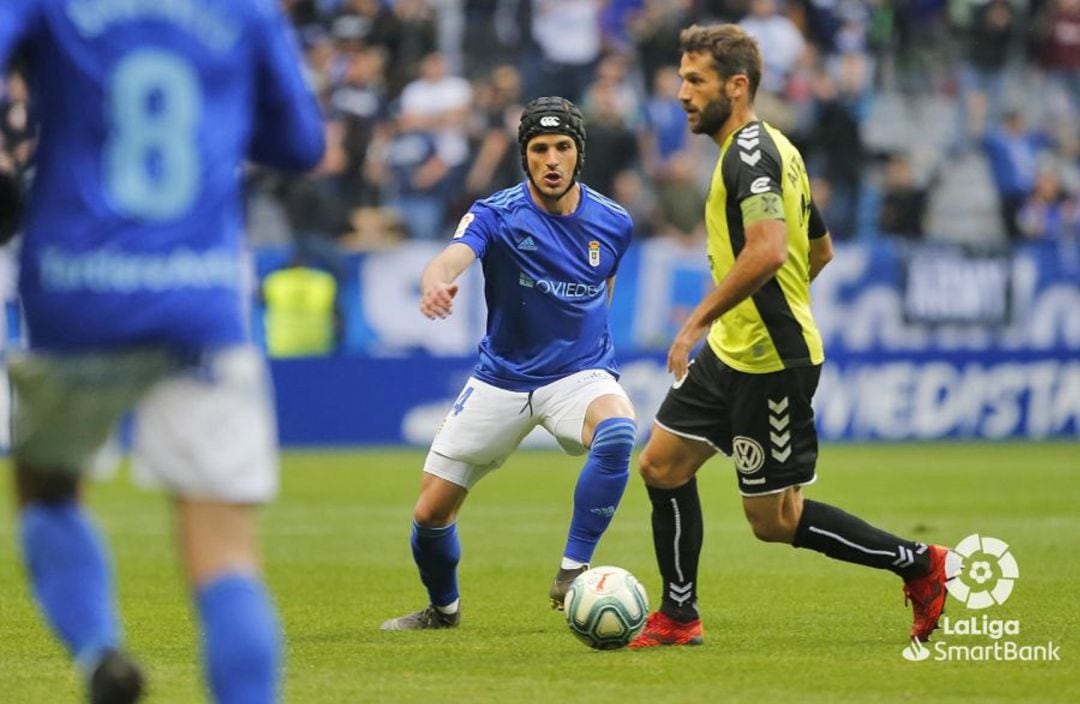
(923, 342)
(924, 396)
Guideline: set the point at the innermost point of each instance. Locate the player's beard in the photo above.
(712, 117)
(541, 191)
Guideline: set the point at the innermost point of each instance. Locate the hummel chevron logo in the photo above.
(680, 594)
(747, 141)
(527, 244)
(906, 557)
(778, 422)
(779, 419)
(751, 159)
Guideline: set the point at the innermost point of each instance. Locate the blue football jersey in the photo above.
(545, 284)
(147, 110)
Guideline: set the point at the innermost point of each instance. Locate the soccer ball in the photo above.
(606, 607)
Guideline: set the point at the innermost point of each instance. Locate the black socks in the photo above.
(677, 534)
(841, 536)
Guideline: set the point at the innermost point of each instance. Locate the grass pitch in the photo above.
(781, 624)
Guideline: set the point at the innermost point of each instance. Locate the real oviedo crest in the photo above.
(594, 253)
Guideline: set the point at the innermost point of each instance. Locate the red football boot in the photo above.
(927, 595)
(661, 629)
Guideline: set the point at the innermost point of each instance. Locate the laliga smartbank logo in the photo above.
(983, 572)
(980, 573)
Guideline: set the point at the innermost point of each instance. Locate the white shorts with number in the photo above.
(486, 424)
(203, 428)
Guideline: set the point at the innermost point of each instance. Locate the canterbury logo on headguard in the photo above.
(552, 114)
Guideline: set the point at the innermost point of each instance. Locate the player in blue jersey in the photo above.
(550, 248)
(132, 280)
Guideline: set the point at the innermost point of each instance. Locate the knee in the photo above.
(768, 525)
(656, 472)
(439, 502)
(767, 530)
(612, 444)
(432, 517)
(433, 514)
(47, 487)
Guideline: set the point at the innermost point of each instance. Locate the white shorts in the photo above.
(486, 424)
(203, 428)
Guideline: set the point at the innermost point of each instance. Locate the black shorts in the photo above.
(765, 422)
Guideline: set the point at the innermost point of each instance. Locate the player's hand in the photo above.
(678, 358)
(437, 301)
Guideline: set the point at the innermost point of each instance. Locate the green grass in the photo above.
(781, 625)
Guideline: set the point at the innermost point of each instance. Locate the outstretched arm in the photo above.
(437, 287)
(762, 256)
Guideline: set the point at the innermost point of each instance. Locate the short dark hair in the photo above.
(732, 50)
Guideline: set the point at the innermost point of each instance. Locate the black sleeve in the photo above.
(752, 164)
(817, 228)
(10, 206)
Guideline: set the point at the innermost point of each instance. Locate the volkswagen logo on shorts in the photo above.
(747, 453)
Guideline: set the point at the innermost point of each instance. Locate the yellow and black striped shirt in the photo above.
(759, 176)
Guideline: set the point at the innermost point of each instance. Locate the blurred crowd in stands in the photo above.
(947, 120)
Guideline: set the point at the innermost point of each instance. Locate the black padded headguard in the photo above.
(552, 115)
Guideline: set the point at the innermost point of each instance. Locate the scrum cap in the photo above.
(552, 115)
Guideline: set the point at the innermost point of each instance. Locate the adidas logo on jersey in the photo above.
(527, 244)
(748, 142)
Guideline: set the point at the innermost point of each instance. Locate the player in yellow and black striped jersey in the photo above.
(760, 177)
(748, 392)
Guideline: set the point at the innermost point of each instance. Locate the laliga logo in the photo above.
(981, 573)
(972, 566)
(977, 561)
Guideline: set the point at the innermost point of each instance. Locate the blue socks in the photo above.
(71, 577)
(600, 486)
(437, 552)
(241, 640)
(72, 581)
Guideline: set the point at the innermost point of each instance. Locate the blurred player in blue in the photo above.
(132, 280)
(550, 248)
